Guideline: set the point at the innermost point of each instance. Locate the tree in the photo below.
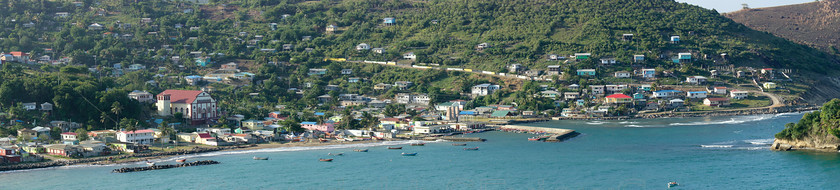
(116, 109)
(81, 134)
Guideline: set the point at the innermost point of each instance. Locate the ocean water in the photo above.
(699, 153)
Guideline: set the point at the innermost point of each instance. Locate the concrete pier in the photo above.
(556, 134)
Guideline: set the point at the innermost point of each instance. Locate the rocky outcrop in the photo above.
(827, 143)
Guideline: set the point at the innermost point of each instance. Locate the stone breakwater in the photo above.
(168, 166)
(114, 159)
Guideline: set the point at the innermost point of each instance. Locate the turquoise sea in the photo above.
(699, 153)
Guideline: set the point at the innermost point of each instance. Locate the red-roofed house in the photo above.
(618, 99)
(144, 136)
(206, 138)
(197, 106)
(68, 136)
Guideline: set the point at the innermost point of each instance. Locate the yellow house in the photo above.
(769, 85)
(618, 98)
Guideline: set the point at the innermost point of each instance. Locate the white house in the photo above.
(484, 89)
(695, 79)
(696, 94)
(719, 90)
(410, 55)
(197, 106)
(666, 93)
(597, 89)
(141, 96)
(622, 74)
(738, 94)
(144, 136)
(362, 46)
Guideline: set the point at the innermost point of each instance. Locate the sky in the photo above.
(723, 6)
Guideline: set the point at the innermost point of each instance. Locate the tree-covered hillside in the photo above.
(817, 124)
(440, 31)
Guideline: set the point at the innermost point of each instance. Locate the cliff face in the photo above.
(824, 143)
(814, 23)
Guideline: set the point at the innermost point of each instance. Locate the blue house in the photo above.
(466, 113)
(586, 72)
(353, 80)
(638, 96)
(666, 93)
(202, 61)
(389, 21)
(580, 102)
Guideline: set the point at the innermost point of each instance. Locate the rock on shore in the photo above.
(828, 144)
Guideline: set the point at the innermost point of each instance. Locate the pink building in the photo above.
(313, 126)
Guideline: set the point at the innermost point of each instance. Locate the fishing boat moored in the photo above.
(457, 144)
(335, 154)
(394, 147)
(534, 139)
(473, 148)
(673, 184)
(325, 160)
(181, 160)
(260, 158)
(409, 154)
(418, 144)
(150, 163)
(322, 139)
(360, 150)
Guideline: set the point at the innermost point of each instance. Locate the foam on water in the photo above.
(595, 122)
(717, 146)
(734, 120)
(759, 141)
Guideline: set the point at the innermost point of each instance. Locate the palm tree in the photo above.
(116, 108)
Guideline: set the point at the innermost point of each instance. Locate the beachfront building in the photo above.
(716, 102)
(197, 106)
(313, 126)
(144, 136)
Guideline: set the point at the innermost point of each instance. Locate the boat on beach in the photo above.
(150, 163)
(360, 150)
(322, 139)
(409, 154)
(181, 160)
(418, 144)
(459, 144)
(394, 147)
(325, 160)
(473, 148)
(260, 158)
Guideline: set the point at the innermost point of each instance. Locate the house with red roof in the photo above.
(197, 106)
(618, 99)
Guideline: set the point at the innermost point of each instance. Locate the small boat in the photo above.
(534, 139)
(360, 150)
(181, 160)
(150, 163)
(325, 160)
(336, 154)
(409, 154)
(473, 148)
(394, 147)
(456, 144)
(260, 158)
(322, 139)
(418, 144)
(673, 184)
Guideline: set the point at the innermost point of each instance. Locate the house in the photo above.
(695, 80)
(638, 58)
(46, 106)
(95, 26)
(618, 99)
(622, 74)
(42, 131)
(346, 71)
(609, 60)
(582, 56)
(197, 106)
(719, 90)
(317, 72)
(675, 39)
(62, 150)
(377, 104)
(716, 102)
(62, 14)
(515, 68)
(597, 89)
(615, 88)
(382, 86)
(696, 94)
(675, 103)
(574, 87)
(410, 56)
(353, 79)
(68, 136)
(193, 79)
(553, 57)
(571, 95)
(484, 89)
(586, 72)
(428, 129)
(549, 94)
(144, 136)
(684, 57)
(378, 50)
(554, 70)
(141, 96)
(403, 85)
(482, 46)
(27, 133)
(627, 37)
(331, 28)
(645, 87)
(253, 124)
(501, 113)
(186, 137)
(332, 87)
(638, 96)
(287, 47)
(206, 138)
(362, 46)
(229, 66)
(406, 98)
(313, 126)
(389, 21)
(769, 85)
(325, 98)
(30, 106)
(738, 94)
(666, 94)
(648, 73)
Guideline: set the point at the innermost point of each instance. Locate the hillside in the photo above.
(814, 23)
(816, 130)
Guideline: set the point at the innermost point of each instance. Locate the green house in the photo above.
(581, 56)
(586, 72)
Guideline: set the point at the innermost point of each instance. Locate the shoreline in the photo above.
(140, 157)
(718, 113)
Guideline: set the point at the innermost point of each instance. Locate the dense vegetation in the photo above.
(815, 124)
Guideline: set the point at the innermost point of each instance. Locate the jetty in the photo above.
(554, 134)
(168, 166)
(456, 139)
